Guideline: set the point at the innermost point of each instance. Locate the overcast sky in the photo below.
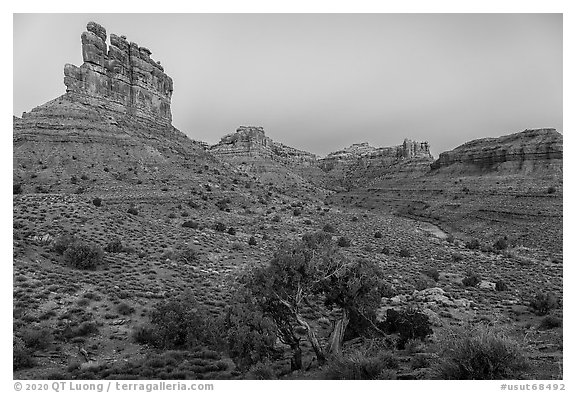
(321, 82)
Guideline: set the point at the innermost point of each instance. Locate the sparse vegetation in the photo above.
(550, 322)
(501, 244)
(328, 228)
(471, 279)
(220, 227)
(62, 243)
(114, 246)
(83, 256)
(361, 365)
(473, 244)
(343, 242)
(501, 285)
(542, 303)
(410, 323)
(480, 352)
(404, 253)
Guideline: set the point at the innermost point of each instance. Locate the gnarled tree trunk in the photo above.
(337, 336)
(296, 361)
(313, 339)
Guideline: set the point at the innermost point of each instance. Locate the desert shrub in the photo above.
(114, 246)
(180, 323)
(125, 309)
(550, 322)
(276, 218)
(220, 227)
(316, 239)
(16, 188)
(343, 242)
(21, 355)
(420, 361)
(409, 323)
(62, 243)
(232, 231)
(471, 279)
(132, 210)
(236, 246)
(385, 250)
(328, 228)
(222, 204)
(249, 334)
(457, 257)
(551, 190)
(378, 235)
(86, 328)
(432, 273)
(261, 371)
(252, 241)
(97, 202)
(479, 352)
(501, 285)
(83, 256)
(144, 335)
(37, 339)
(501, 244)
(187, 256)
(473, 244)
(40, 189)
(423, 281)
(297, 212)
(354, 219)
(404, 253)
(542, 303)
(73, 180)
(190, 224)
(360, 366)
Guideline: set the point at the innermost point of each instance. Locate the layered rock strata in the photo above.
(250, 141)
(365, 155)
(121, 75)
(527, 150)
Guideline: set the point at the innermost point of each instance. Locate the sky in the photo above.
(321, 82)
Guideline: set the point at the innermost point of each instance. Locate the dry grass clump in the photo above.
(479, 352)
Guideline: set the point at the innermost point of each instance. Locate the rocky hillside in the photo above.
(354, 166)
(287, 169)
(522, 152)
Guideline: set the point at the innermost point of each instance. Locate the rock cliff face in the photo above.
(250, 141)
(121, 75)
(366, 155)
(525, 151)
